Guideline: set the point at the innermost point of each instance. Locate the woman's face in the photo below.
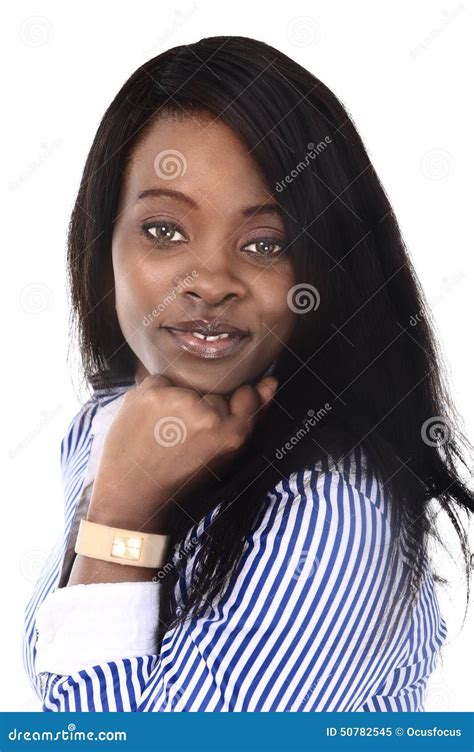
(198, 236)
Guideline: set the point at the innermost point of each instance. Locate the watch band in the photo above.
(114, 544)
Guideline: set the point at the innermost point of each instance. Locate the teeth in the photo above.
(212, 338)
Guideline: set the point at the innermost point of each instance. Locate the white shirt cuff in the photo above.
(85, 625)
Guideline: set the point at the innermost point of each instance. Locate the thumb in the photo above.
(266, 390)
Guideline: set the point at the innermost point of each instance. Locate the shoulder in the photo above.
(337, 505)
(324, 536)
(318, 562)
(326, 506)
(324, 546)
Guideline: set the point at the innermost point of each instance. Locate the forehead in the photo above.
(198, 154)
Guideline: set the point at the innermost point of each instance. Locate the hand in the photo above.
(166, 441)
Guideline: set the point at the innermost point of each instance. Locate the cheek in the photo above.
(133, 290)
(274, 308)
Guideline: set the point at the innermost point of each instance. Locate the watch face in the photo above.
(127, 547)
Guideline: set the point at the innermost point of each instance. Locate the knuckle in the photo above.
(209, 420)
(181, 399)
(235, 440)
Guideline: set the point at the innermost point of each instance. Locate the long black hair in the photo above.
(363, 345)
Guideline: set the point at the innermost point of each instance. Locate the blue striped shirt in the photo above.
(298, 627)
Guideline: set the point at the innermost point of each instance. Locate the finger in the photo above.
(266, 389)
(216, 402)
(244, 404)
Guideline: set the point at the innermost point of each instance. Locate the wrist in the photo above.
(87, 571)
(107, 507)
(157, 522)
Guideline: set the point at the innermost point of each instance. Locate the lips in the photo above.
(216, 346)
(208, 327)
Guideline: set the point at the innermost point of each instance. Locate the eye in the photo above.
(264, 247)
(162, 232)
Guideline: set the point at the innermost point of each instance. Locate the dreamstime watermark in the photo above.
(314, 151)
(437, 164)
(36, 31)
(69, 735)
(175, 699)
(170, 164)
(439, 697)
(304, 565)
(181, 551)
(313, 686)
(303, 297)
(33, 563)
(313, 419)
(436, 431)
(180, 16)
(43, 156)
(447, 17)
(148, 317)
(303, 31)
(36, 298)
(46, 417)
(170, 431)
(447, 285)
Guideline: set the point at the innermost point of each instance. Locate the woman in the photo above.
(262, 405)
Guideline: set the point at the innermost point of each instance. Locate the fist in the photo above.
(166, 441)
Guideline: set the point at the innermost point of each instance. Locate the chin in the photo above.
(205, 385)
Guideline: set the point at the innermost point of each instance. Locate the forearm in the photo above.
(86, 571)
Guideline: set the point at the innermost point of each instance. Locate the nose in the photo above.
(211, 299)
(214, 287)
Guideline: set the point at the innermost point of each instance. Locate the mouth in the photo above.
(208, 346)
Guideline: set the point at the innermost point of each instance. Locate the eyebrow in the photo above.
(247, 211)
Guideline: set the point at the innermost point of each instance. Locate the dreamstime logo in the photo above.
(182, 551)
(437, 164)
(304, 566)
(447, 17)
(175, 700)
(436, 431)
(447, 285)
(36, 298)
(148, 317)
(32, 563)
(170, 164)
(314, 151)
(170, 431)
(312, 420)
(303, 31)
(71, 734)
(303, 297)
(36, 31)
(43, 156)
(46, 417)
(310, 691)
(179, 17)
(439, 698)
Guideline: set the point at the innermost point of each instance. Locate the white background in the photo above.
(401, 69)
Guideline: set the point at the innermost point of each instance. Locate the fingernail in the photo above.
(272, 385)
